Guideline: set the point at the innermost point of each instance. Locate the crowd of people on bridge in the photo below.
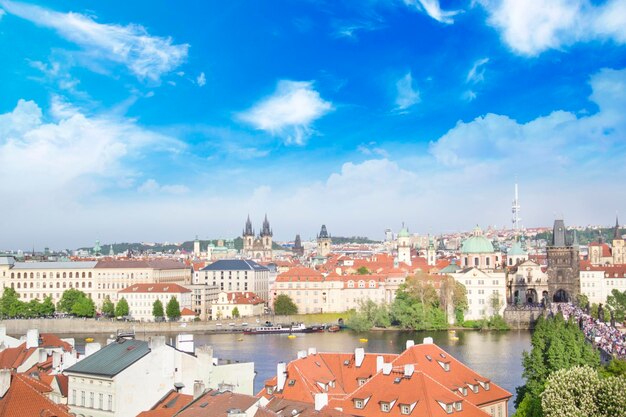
(603, 335)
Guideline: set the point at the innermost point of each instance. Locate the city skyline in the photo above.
(159, 123)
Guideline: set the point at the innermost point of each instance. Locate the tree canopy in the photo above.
(69, 298)
(157, 309)
(121, 309)
(173, 309)
(284, 305)
(108, 308)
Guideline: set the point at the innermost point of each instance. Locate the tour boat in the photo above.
(291, 336)
(278, 328)
(363, 340)
(89, 339)
(334, 328)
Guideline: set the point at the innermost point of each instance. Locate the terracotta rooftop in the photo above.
(141, 264)
(155, 289)
(27, 397)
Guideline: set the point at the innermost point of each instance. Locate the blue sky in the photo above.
(154, 121)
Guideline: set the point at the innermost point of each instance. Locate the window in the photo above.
(110, 405)
(91, 400)
(384, 407)
(82, 398)
(448, 408)
(458, 406)
(405, 409)
(358, 404)
(361, 381)
(73, 397)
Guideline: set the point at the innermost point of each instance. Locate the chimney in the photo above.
(32, 338)
(410, 344)
(301, 354)
(56, 359)
(380, 361)
(43, 356)
(409, 368)
(359, 355)
(428, 341)
(387, 368)
(3, 331)
(156, 342)
(281, 375)
(5, 381)
(321, 400)
(312, 351)
(198, 389)
(91, 348)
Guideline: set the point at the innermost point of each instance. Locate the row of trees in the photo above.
(564, 376)
(77, 303)
(417, 306)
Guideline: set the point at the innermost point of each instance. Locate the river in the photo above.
(495, 355)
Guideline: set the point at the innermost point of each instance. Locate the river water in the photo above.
(495, 355)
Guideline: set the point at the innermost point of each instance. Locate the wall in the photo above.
(522, 318)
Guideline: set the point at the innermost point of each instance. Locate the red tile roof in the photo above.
(143, 264)
(187, 312)
(216, 404)
(169, 405)
(155, 288)
(243, 298)
(26, 397)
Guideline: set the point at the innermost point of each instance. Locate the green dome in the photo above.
(403, 233)
(516, 250)
(477, 244)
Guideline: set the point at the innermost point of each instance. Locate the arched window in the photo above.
(64, 284)
(487, 260)
(44, 275)
(31, 285)
(32, 275)
(58, 284)
(12, 274)
(70, 274)
(63, 274)
(83, 284)
(18, 285)
(19, 275)
(58, 275)
(90, 275)
(89, 284)
(37, 274)
(83, 275)
(476, 261)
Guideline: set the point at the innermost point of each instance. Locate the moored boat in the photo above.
(277, 329)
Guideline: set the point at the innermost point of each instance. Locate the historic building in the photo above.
(477, 251)
(323, 242)
(527, 283)
(235, 275)
(403, 243)
(298, 249)
(141, 298)
(600, 253)
(563, 266)
(259, 247)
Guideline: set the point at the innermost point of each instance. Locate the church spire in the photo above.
(616, 234)
(248, 228)
(266, 230)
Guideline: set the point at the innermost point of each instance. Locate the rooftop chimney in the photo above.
(43, 356)
(380, 361)
(198, 389)
(281, 375)
(409, 368)
(321, 400)
(359, 355)
(156, 341)
(387, 368)
(312, 351)
(5, 381)
(56, 359)
(410, 344)
(428, 341)
(32, 338)
(91, 348)
(301, 354)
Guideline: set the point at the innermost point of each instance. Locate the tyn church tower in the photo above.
(260, 247)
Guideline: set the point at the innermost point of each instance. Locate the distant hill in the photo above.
(338, 240)
(167, 248)
(586, 236)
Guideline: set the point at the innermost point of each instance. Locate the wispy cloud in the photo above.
(477, 73)
(406, 94)
(151, 186)
(147, 57)
(201, 80)
(2, 13)
(350, 29)
(532, 27)
(433, 9)
(289, 112)
(371, 149)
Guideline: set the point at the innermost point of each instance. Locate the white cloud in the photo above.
(56, 165)
(433, 9)
(2, 13)
(147, 57)
(289, 112)
(406, 94)
(469, 95)
(477, 73)
(151, 186)
(201, 80)
(533, 26)
(370, 149)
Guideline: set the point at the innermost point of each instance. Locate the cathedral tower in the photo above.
(323, 242)
(266, 235)
(619, 249)
(563, 266)
(248, 236)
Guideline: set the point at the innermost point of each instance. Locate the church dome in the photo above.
(403, 233)
(517, 250)
(477, 243)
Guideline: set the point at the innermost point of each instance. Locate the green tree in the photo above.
(121, 309)
(108, 308)
(363, 271)
(284, 305)
(47, 307)
(617, 367)
(157, 309)
(69, 298)
(84, 307)
(368, 315)
(173, 309)
(235, 313)
(582, 300)
(556, 344)
(617, 302)
(10, 304)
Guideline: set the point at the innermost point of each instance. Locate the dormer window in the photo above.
(358, 403)
(458, 406)
(444, 365)
(361, 381)
(474, 388)
(463, 390)
(385, 407)
(270, 390)
(449, 408)
(405, 409)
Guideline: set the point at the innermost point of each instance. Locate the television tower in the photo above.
(515, 209)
